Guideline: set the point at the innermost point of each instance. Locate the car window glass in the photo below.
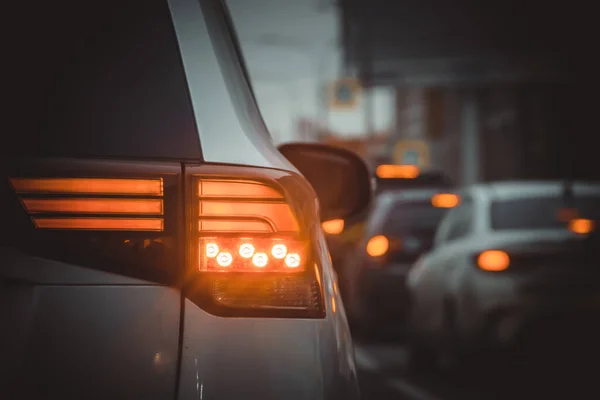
(540, 212)
(104, 80)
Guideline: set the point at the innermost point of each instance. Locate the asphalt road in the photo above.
(383, 374)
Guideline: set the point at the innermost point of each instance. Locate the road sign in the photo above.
(343, 94)
(412, 152)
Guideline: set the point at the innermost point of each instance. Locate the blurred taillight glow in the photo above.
(378, 246)
(333, 227)
(581, 226)
(390, 171)
(493, 260)
(445, 200)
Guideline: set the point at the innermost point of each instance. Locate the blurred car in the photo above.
(154, 243)
(343, 235)
(400, 226)
(505, 263)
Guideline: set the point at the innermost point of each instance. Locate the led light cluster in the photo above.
(240, 254)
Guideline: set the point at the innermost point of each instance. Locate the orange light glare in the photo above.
(94, 206)
(148, 187)
(279, 251)
(110, 224)
(254, 226)
(493, 260)
(292, 260)
(228, 189)
(333, 227)
(212, 250)
(260, 260)
(581, 226)
(388, 171)
(246, 250)
(377, 246)
(224, 259)
(278, 215)
(445, 200)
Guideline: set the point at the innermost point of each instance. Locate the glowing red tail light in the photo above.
(247, 227)
(251, 252)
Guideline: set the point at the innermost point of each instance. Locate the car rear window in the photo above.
(96, 79)
(414, 216)
(540, 212)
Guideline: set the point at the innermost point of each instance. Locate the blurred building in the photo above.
(490, 87)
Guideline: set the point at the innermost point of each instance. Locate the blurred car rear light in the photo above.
(251, 252)
(445, 200)
(389, 171)
(493, 260)
(581, 226)
(333, 227)
(378, 246)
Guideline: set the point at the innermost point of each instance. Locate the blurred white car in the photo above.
(511, 258)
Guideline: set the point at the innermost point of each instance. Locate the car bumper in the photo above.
(541, 323)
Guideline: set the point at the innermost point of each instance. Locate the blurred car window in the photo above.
(420, 216)
(540, 212)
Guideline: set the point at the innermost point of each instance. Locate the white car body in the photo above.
(73, 332)
(446, 281)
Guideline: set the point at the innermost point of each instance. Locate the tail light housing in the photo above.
(240, 242)
(115, 216)
(251, 248)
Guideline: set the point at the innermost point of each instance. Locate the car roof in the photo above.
(394, 196)
(521, 189)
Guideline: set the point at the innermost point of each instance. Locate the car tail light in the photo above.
(333, 227)
(389, 171)
(378, 246)
(445, 200)
(493, 260)
(115, 216)
(252, 254)
(73, 203)
(581, 226)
